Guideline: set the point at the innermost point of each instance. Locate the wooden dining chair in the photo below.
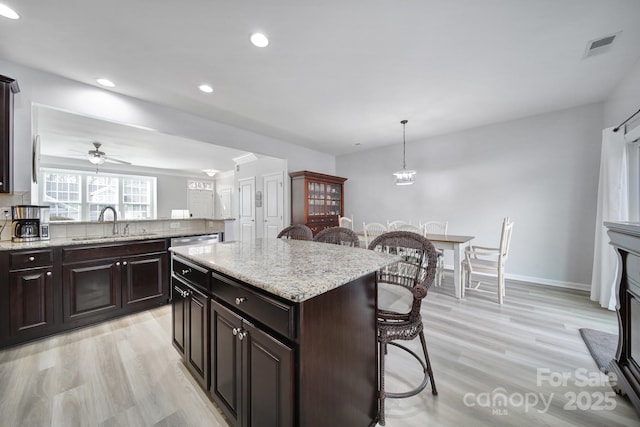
(346, 222)
(408, 227)
(413, 276)
(393, 225)
(371, 231)
(488, 261)
(338, 236)
(437, 227)
(296, 232)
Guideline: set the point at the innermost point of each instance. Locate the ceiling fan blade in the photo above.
(112, 160)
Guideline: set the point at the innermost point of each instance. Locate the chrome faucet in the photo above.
(115, 218)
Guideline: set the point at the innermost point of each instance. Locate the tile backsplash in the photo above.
(8, 200)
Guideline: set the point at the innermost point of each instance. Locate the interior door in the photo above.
(273, 185)
(201, 203)
(247, 210)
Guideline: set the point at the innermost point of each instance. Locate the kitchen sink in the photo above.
(119, 236)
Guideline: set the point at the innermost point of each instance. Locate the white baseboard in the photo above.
(541, 281)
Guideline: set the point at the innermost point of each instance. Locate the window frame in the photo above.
(120, 206)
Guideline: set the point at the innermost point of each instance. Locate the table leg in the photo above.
(457, 269)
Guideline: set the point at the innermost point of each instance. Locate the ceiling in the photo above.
(65, 135)
(336, 73)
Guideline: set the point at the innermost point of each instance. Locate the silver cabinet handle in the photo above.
(49, 273)
(124, 263)
(240, 300)
(31, 258)
(118, 264)
(186, 271)
(239, 333)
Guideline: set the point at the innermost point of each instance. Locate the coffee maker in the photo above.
(25, 224)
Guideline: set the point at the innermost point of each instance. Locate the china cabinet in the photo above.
(317, 200)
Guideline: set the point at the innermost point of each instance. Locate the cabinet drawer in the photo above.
(277, 315)
(191, 273)
(114, 250)
(27, 259)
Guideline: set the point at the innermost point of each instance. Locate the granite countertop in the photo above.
(293, 269)
(8, 245)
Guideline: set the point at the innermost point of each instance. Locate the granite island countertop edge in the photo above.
(310, 269)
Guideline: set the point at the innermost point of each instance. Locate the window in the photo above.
(133, 197)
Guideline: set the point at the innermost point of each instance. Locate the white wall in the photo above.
(55, 91)
(542, 171)
(624, 100)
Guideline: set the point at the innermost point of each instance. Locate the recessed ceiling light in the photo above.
(7, 12)
(105, 82)
(205, 88)
(259, 40)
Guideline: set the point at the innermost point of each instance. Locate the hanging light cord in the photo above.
(404, 144)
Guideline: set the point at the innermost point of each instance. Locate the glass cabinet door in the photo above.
(333, 199)
(317, 198)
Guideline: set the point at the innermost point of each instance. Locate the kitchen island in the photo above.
(280, 332)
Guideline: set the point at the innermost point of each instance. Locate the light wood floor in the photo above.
(126, 373)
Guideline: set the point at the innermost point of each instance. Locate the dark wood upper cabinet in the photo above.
(317, 200)
(8, 87)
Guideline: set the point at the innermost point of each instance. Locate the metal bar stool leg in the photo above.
(383, 350)
(429, 370)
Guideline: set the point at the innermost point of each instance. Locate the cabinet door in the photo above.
(144, 281)
(226, 361)
(197, 349)
(91, 290)
(179, 309)
(268, 393)
(8, 87)
(31, 301)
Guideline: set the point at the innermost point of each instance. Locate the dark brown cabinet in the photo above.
(100, 282)
(252, 373)
(190, 307)
(91, 290)
(8, 87)
(30, 310)
(45, 291)
(144, 280)
(625, 238)
(317, 200)
(275, 362)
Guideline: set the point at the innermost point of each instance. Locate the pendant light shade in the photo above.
(404, 176)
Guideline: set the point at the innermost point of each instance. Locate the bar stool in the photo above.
(415, 273)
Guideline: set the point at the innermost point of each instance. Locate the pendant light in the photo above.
(404, 177)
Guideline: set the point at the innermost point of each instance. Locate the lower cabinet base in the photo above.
(69, 327)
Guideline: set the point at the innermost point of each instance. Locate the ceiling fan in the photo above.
(98, 157)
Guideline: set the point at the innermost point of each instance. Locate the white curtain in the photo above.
(617, 201)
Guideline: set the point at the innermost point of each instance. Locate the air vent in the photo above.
(601, 45)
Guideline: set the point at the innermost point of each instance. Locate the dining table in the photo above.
(449, 242)
(457, 244)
